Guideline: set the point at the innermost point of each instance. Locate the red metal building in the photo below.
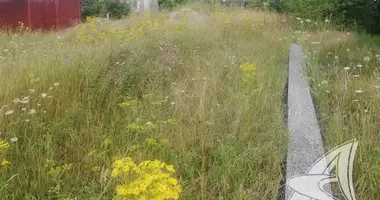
(37, 14)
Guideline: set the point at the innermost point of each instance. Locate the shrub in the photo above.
(362, 14)
(100, 8)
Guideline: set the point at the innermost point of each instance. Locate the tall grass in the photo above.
(149, 88)
(344, 73)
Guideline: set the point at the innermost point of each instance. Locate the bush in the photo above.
(362, 14)
(100, 8)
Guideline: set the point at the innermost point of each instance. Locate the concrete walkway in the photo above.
(305, 145)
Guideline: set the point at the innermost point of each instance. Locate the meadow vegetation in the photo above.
(131, 108)
(343, 69)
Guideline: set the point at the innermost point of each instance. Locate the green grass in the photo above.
(340, 67)
(224, 137)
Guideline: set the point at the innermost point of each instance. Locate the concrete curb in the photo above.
(305, 140)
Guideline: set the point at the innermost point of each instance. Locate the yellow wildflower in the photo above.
(5, 162)
(3, 145)
(148, 180)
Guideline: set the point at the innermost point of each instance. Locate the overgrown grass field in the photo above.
(344, 74)
(198, 93)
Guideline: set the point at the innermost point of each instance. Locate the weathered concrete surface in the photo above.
(305, 145)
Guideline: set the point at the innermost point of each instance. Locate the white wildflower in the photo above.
(9, 112)
(172, 103)
(377, 86)
(346, 68)
(308, 20)
(366, 59)
(24, 100)
(56, 84)
(16, 100)
(356, 76)
(359, 91)
(32, 112)
(23, 109)
(14, 139)
(359, 65)
(324, 82)
(27, 120)
(43, 95)
(149, 123)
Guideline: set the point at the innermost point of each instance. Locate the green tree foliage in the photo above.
(116, 8)
(362, 14)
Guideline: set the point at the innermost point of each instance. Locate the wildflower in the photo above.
(324, 82)
(9, 112)
(366, 59)
(355, 100)
(346, 68)
(315, 42)
(56, 84)
(23, 109)
(31, 90)
(38, 104)
(149, 123)
(327, 21)
(359, 91)
(329, 53)
(6, 50)
(298, 18)
(336, 57)
(377, 87)
(64, 148)
(348, 50)
(308, 20)
(152, 180)
(377, 56)
(25, 100)
(27, 120)
(14, 139)
(16, 100)
(182, 91)
(359, 65)
(172, 103)
(3, 145)
(5, 162)
(356, 76)
(365, 110)
(43, 95)
(32, 112)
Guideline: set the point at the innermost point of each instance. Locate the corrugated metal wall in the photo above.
(44, 14)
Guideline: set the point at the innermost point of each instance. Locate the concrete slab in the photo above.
(305, 145)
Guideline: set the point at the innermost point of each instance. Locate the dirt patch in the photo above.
(190, 16)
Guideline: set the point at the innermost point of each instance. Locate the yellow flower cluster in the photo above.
(150, 180)
(3, 147)
(249, 71)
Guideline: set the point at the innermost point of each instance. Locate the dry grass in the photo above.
(225, 137)
(344, 73)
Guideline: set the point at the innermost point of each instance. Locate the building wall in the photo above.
(44, 14)
(12, 12)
